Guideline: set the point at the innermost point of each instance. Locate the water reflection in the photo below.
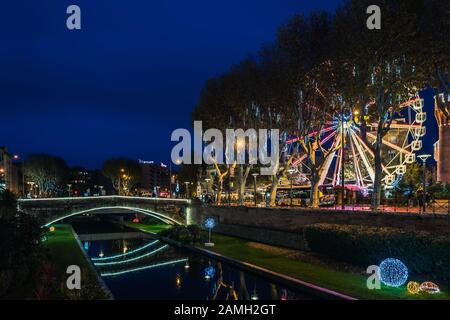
(150, 269)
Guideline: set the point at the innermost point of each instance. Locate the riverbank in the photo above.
(64, 251)
(150, 228)
(311, 268)
(308, 267)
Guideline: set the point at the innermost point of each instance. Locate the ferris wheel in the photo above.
(399, 147)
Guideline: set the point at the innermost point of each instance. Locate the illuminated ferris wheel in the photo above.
(399, 147)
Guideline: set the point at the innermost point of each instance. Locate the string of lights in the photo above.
(153, 214)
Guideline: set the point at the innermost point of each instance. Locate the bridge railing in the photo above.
(51, 208)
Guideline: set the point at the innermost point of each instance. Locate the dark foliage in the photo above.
(422, 252)
(21, 253)
(186, 235)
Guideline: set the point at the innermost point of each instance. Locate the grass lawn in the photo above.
(350, 283)
(153, 228)
(64, 251)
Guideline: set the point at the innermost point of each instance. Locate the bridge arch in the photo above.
(98, 210)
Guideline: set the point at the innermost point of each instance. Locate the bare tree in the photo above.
(47, 172)
(123, 173)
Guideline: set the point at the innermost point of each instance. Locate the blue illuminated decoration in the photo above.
(209, 272)
(86, 245)
(393, 272)
(209, 223)
(398, 179)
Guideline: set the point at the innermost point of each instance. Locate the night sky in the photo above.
(133, 74)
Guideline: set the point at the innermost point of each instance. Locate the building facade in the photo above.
(442, 148)
(9, 172)
(156, 178)
(85, 183)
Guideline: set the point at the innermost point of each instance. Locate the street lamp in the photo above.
(424, 158)
(2, 171)
(254, 180)
(16, 157)
(120, 179)
(177, 162)
(291, 177)
(342, 158)
(187, 189)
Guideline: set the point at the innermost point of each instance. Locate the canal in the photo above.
(134, 267)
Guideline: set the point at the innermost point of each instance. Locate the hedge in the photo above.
(422, 252)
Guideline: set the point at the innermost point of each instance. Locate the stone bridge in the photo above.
(52, 210)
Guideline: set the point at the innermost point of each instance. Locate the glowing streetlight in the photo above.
(17, 157)
(240, 144)
(207, 185)
(120, 179)
(291, 177)
(187, 189)
(254, 185)
(177, 162)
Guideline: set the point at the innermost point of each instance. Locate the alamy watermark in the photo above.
(73, 281)
(73, 21)
(374, 20)
(373, 280)
(237, 147)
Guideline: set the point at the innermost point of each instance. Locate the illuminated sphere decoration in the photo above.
(52, 229)
(429, 287)
(393, 272)
(413, 287)
(209, 272)
(209, 223)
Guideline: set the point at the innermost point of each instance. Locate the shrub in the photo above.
(195, 232)
(21, 253)
(186, 235)
(422, 252)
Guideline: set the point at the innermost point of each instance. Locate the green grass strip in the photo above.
(344, 282)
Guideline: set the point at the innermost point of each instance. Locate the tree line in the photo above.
(51, 174)
(323, 64)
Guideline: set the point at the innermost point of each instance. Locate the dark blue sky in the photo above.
(119, 86)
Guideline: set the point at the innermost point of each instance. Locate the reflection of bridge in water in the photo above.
(52, 210)
(152, 255)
